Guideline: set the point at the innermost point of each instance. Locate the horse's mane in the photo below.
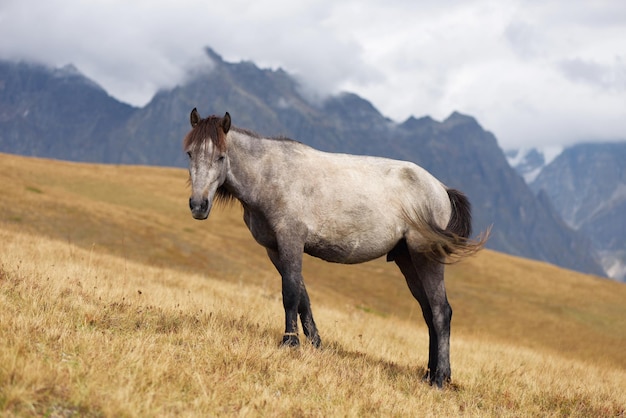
(223, 197)
(206, 128)
(256, 135)
(210, 128)
(246, 132)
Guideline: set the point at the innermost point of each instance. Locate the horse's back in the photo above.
(376, 181)
(354, 207)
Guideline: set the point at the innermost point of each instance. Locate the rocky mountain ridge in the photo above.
(529, 162)
(587, 185)
(70, 117)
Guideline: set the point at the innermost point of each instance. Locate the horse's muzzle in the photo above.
(199, 208)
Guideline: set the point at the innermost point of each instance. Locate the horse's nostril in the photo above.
(199, 205)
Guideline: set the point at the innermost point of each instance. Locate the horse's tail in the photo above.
(461, 219)
(453, 243)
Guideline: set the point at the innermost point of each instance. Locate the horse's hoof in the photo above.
(290, 341)
(439, 380)
(316, 341)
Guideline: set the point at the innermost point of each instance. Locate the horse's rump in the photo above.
(447, 245)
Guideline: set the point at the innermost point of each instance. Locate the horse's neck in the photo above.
(247, 174)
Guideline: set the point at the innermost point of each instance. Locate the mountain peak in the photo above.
(215, 57)
(529, 162)
(413, 123)
(352, 104)
(68, 70)
(457, 118)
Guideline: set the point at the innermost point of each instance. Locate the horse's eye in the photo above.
(189, 154)
(220, 158)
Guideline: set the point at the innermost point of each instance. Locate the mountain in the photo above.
(529, 162)
(587, 185)
(81, 122)
(58, 113)
(465, 156)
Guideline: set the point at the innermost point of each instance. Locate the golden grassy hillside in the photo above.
(113, 301)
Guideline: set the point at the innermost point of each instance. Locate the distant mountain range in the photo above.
(58, 113)
(587, 185)
(530, 161)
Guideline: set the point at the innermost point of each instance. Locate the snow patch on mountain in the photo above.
(529, 162)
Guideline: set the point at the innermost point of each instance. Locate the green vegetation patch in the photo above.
(34, 189)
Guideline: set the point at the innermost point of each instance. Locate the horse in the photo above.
(338, 207)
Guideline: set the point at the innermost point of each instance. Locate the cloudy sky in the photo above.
(532, 72)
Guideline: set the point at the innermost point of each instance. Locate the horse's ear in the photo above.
(194, 118)
(226, 123)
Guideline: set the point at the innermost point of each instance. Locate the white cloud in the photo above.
(603, 76)
(532, 72)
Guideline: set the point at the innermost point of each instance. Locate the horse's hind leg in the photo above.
(404, 262)
(306, 317)
(425, 280)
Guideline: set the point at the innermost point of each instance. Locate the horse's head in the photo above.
(205, 145)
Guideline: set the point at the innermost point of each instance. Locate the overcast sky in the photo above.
(532, 72)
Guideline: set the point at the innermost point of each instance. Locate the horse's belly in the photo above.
(351, 250)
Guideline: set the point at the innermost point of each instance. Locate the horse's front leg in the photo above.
(295, 297)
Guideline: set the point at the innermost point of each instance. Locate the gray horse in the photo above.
(340, 208)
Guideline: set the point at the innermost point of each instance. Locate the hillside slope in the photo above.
(141, 214)
(113, 302)
(89, 334)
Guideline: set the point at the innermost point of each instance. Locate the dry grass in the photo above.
(106, 310)
(92, 334)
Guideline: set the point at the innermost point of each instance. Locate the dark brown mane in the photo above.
(207, 128)
(223, 197)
